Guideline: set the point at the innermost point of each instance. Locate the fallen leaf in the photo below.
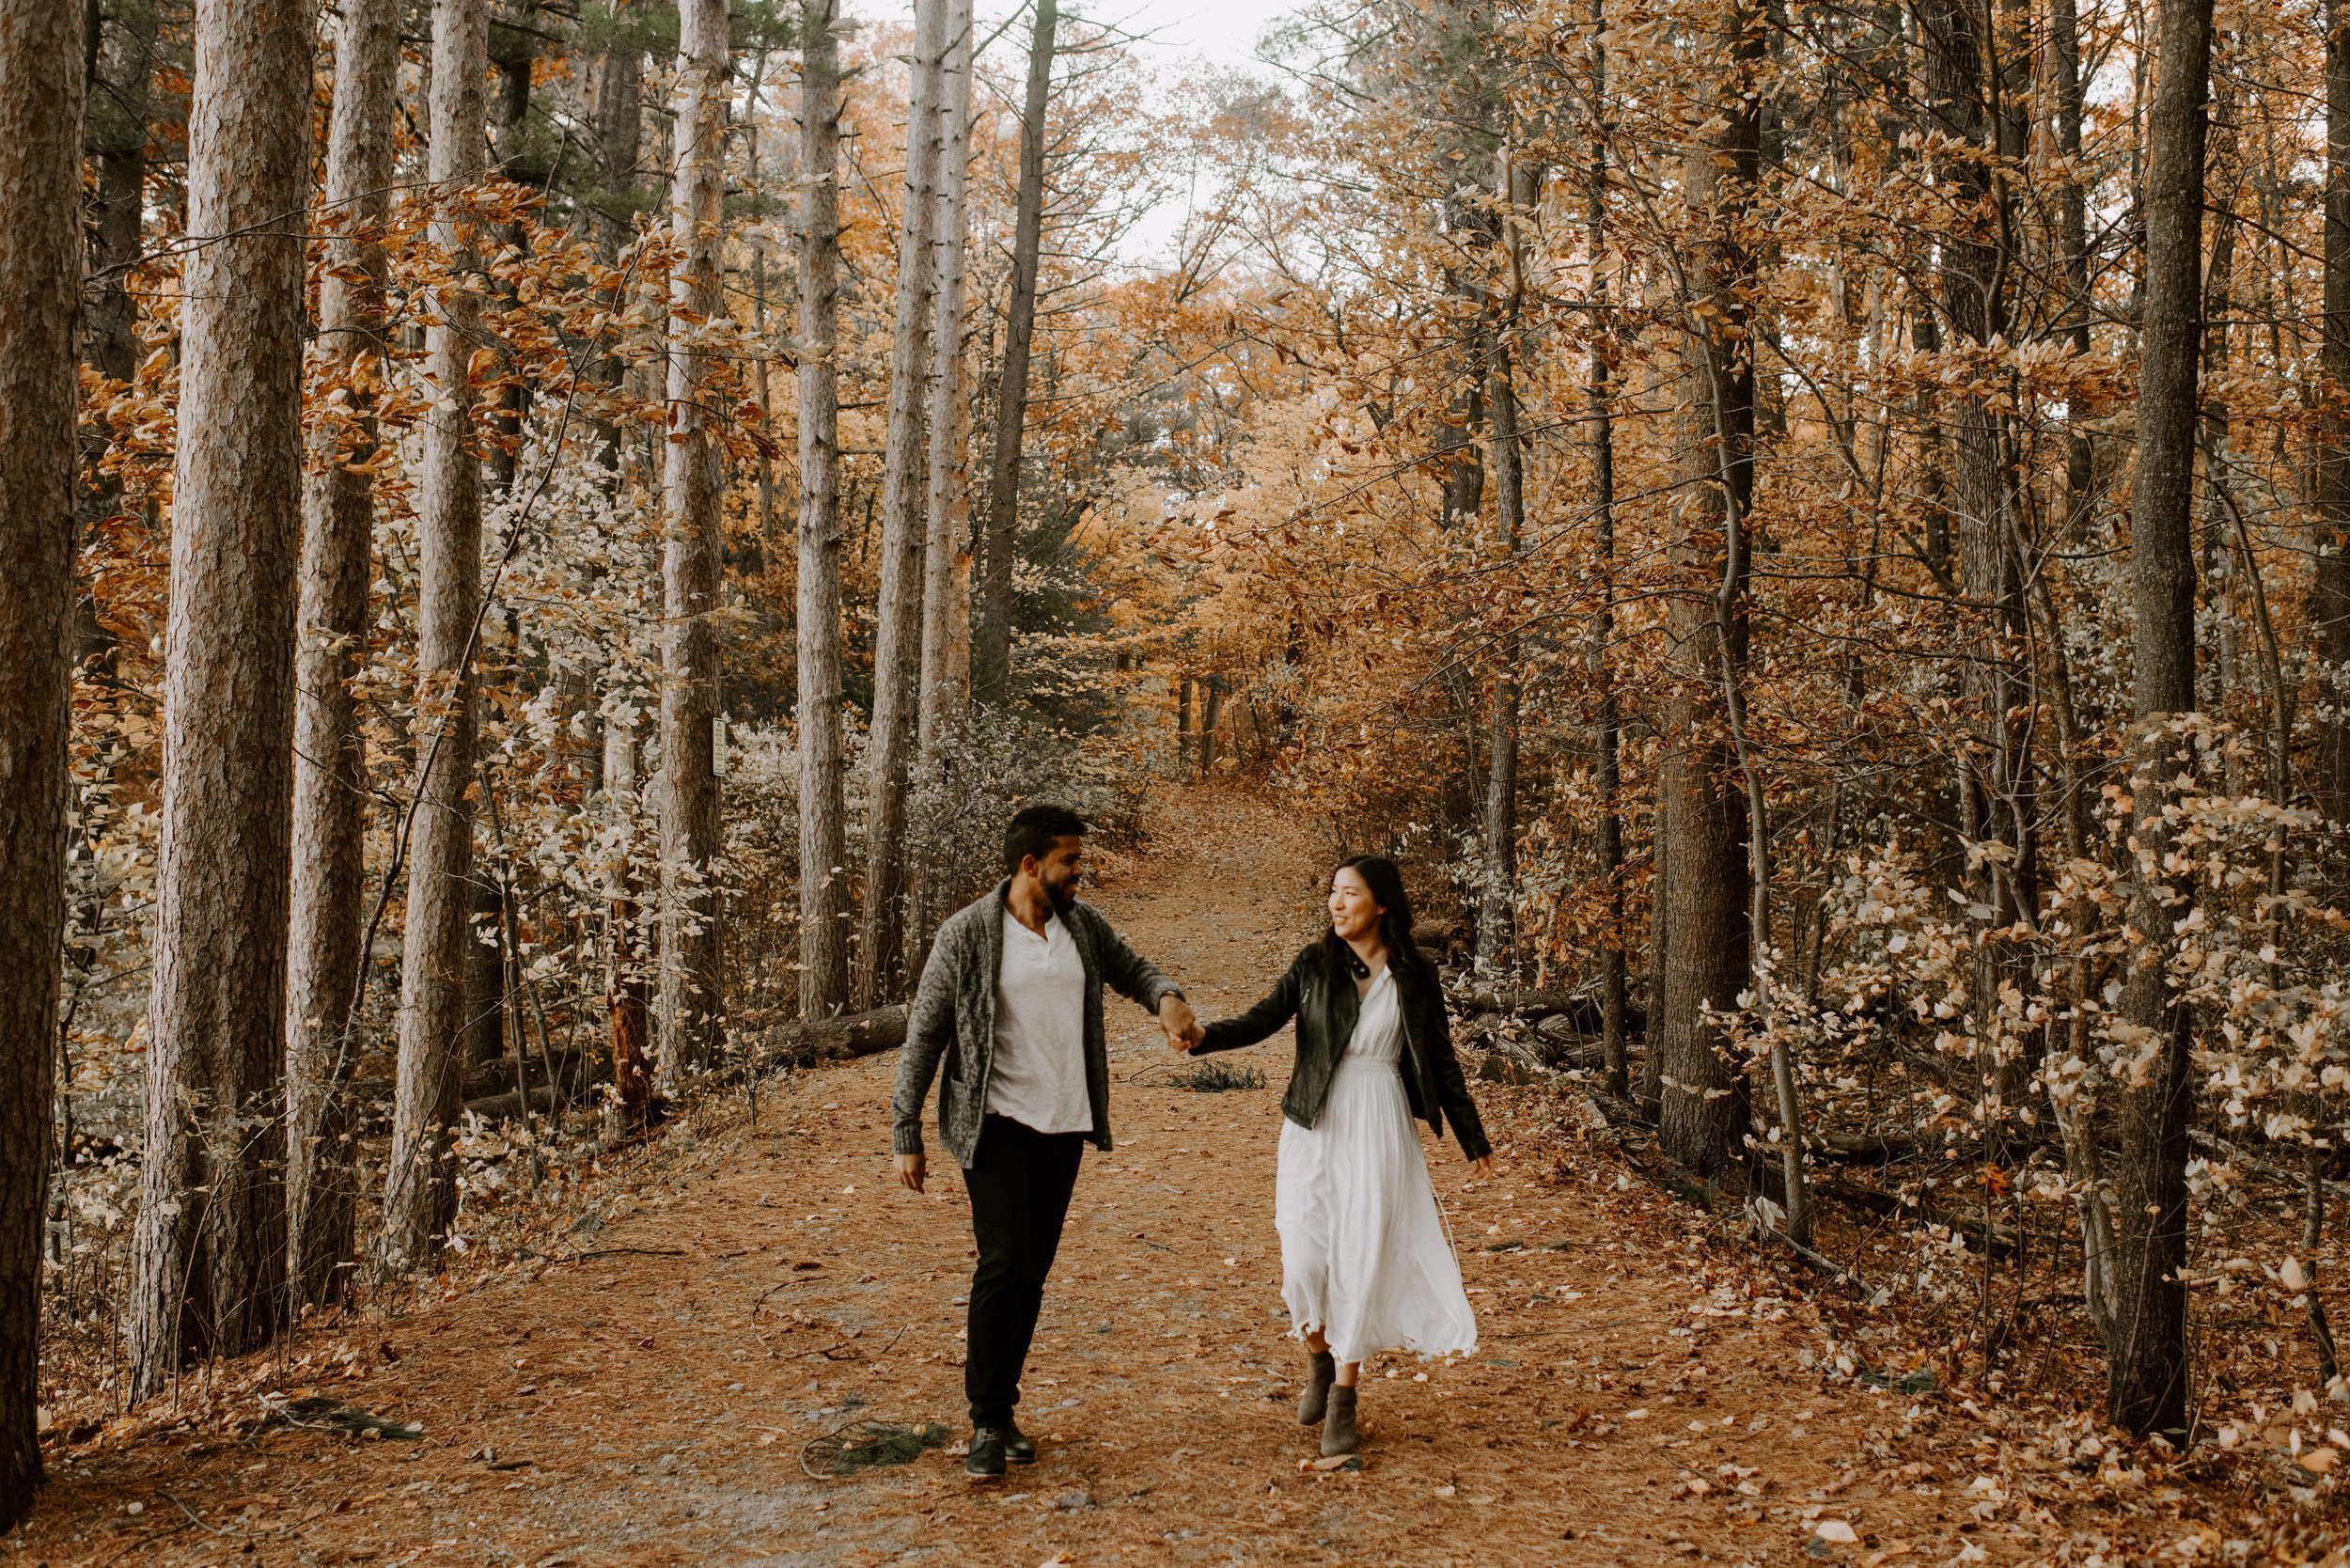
(1835, 1531)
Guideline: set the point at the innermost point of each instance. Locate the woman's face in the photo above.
(1353, 913)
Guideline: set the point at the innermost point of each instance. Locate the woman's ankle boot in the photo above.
(1338, 1426)
(1321, 1367)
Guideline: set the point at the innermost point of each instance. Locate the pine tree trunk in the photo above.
(946, 553)
(626, 992)
(420, 1191)
(824, 839)
(2072, 233)
(41, 273)
(1703, 1111)
(209, 1251)
(1497, 913)
(2146, 1371)
(2330, 599)
(946, 557)
(330, 765)
(1608, 740)
(991, 642)
(898, 630)
(693, 998)
(116, 144)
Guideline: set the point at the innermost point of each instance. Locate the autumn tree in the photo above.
(209, 1251)
(420, 1190)
(330, 775)
(693, 1003)
(40, 178)
(898, 613)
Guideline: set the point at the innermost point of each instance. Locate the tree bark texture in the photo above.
(1703, 1110)
(823, 838)
(420, 1192)
(947, 553)
(1496, 921)
(990, 649)
(626, 992)
(41, 273)
(897, 631)
(1607, 740)
(693, 1002)
(116, 142)
(2146, 1370)
(2329, 606)
(209, 1250)
(330, 764)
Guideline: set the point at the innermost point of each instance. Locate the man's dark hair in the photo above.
(1035, 830)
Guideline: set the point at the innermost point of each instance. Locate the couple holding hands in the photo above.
(1009, 1006)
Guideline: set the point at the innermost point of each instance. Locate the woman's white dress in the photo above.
(1364, 1253)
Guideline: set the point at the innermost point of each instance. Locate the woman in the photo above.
(1366, 1264)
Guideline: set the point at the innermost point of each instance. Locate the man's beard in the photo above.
(1062, 896)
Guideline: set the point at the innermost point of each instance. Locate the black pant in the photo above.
(1020, 1181)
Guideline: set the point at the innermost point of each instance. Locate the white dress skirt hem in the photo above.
(1365, 1257)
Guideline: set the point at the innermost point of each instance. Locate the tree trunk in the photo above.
(116, 141)
(946, 557)
(1607, 742)
(41, 273)
(210, 1253)
(1702, 1112)
(2330, 600)
(626, 992)
(991, 644)
(945, 552)
(823, 838)
(898, 630)
(420, 1191)
(1517, 189)
(2072, 233)
(330, 763)
(693, 1000)
(2146, 1344)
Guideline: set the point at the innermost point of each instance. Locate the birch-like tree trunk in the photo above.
(420, 1192)
(897, 631)
(823, 838)
(1709, 880)
(693, 1003)
(991, 650)
(330, 772)
(40, 275)
(208, 1256)
(2146, 1368)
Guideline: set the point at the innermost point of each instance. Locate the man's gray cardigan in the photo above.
(953, 1018)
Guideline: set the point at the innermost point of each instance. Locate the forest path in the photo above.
(647, 1401)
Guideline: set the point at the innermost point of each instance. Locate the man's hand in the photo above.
(911, 1169)
(1182, 1025)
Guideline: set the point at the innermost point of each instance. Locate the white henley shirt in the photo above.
(1038, 1075)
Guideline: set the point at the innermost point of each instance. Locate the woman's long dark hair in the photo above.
(1386, 881)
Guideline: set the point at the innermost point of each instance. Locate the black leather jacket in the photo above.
(1320, 994)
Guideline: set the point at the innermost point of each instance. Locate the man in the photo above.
(1012, 1002)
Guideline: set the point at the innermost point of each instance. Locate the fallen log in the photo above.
(843, 1039)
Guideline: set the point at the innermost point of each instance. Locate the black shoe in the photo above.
(986, 1459)
(1018, 1446)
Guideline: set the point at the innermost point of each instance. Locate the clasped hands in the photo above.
(1184, 1029)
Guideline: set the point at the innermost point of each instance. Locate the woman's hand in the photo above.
(1481, 1168)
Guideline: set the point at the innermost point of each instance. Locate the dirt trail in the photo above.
(647, 1402)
